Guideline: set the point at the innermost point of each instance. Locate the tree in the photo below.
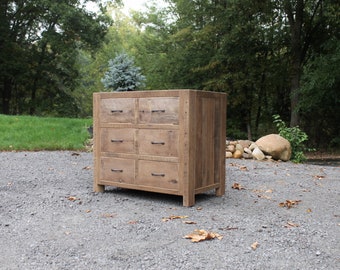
(39, 40)
(122, 74)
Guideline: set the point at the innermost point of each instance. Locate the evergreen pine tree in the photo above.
(122, 74)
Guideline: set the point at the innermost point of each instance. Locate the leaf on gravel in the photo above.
(202, 235)
(241, 167)
(108, 215)
(254, 245)
(72, 198)
(87, 168)
(319, 176)
(309, 210)
(289, 203)
(189, 222)
(237, 186)
(291, 225)
(199, 208)
(133, 222)
(88, 211)
(173, 217)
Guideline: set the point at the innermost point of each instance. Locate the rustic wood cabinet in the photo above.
(167, 141)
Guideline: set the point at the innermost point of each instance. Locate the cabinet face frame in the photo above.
(193, 120)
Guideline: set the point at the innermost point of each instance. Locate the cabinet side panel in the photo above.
(96, 143)
(205, 148)
(220, 137)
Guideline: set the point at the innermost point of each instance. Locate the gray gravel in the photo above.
(51, 219)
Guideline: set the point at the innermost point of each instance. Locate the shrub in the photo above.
(122, 74)
(295, 136)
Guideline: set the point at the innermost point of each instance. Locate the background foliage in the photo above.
(271, 57)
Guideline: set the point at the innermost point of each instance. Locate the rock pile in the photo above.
(271, 146)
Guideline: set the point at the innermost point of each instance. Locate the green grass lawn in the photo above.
(42, 133)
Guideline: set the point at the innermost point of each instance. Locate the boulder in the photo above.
(237, 154)
(230, 148)
(228, 154)
(276, 146)
(245, 143)
(258, 154)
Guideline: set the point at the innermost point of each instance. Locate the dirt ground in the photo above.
(275, 215)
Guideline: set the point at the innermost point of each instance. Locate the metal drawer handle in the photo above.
(162, 143)
(158, 174)
(116, 170)
(116, 111)
(117, 141)
(158, 111)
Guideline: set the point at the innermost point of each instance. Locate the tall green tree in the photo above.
(38, 46)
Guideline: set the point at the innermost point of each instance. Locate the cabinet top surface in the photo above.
(154, 93)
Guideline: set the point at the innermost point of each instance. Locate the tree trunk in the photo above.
(6, 95)
(295, 19)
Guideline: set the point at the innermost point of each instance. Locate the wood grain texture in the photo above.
(167, 141)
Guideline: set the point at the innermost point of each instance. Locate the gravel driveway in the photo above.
(51, 219)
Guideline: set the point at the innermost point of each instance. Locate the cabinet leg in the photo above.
(220, 191)
(98, 188)
(189, 200)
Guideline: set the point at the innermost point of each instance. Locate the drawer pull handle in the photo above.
(116, 111)
(117, 170)
(158, 111)
(117, 141)
(158, 174)
(162, 143)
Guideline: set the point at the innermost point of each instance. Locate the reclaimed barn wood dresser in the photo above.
(166, 141)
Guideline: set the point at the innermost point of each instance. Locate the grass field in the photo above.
(42, 133)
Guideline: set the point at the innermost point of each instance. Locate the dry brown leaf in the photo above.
(199, 208)
(309, 210)
(189, 222)
(319, 176)
(264, 197)
(243, 168)
(254, 245)
(133, 222)
(87, 168)
(291, 225)
(202, 235)
(72, 198)
(88, 211)
(289, 203)
(173, 217)
(108, 215)
(237, 186)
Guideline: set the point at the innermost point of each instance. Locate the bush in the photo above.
(295, 136)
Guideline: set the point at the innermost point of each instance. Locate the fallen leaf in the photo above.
(88, 211)
(237, 186)
(309, 210)
(291, 225)
(133, 222)
(243, 168)
(72, 198)
(228, 228)
(269, 191)
(199, 208)
(189, 222)
(289, 203)
(173, 217)
(202, 235)
(254, 245)
(264, 197)
(87, 168)
(108, 215)
(319, 176)
(75, 154)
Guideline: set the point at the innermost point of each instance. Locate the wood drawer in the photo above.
(118, 110)
(118, 140)
(158, 174)
(159, 110)
(117, 170)
(158, 142)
